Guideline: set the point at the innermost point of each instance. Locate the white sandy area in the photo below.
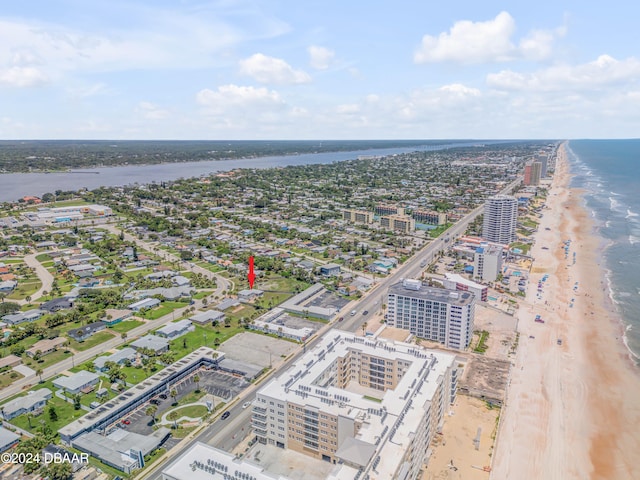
(572, 410)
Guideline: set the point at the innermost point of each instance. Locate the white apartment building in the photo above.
(487, 262)
(432, 313)
(500, 219)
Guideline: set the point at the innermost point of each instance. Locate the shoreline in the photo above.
(572, 401)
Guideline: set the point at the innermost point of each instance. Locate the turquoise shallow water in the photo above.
(609, 171)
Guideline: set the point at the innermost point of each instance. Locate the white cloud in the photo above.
(266, 69)
(235, 99)
(22, 77)
(604, 71)
(151, 111)
(320, 58)
(470, 42)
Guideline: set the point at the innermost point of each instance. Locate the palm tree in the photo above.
(151, 411)
(28, 299)
(39, 373)
(174, 394)
(123, 335)
(196, 380)
(173, 416)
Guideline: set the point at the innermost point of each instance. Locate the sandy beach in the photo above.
(573, 403)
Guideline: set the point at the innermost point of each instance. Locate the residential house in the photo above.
(119, 357)
(8, 286)
(57, 304)
(34, 400)
(82, 333)
(175, 330)
(144, 304)
(46, 346)
(21, 317)
(83, 381)
(153, 342)
(330, 269)
(114, 316)
(8, 439)
(249, 295)
(209, 316)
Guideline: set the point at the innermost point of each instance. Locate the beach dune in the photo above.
(573, 403)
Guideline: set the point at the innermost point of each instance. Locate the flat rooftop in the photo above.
(433, 294)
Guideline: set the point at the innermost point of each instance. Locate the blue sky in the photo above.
(236, 69)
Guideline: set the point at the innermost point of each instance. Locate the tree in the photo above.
(364, 328)
(123, 335)
(58, 471)
(196, 380)
(173, 416)
(39, 373)
(53, 415)
(76, 402)
(174, 394)
(28, 299)
(151, 411)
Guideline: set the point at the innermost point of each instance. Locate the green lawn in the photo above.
(192, 411)
(44, 257)
(95, 339)
(135, 375)
(25, 288)
(65, 411)
(162, 310)
(126, 325)
(47, 360)
(201, 294)
(201, 337)
(7, 378)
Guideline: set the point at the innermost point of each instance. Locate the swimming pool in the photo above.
(493, 299)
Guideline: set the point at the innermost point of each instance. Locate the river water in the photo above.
(16, 185)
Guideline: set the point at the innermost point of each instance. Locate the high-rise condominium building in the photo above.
(432, 313)
(500, 219)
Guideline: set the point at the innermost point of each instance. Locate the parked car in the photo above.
(126, 422)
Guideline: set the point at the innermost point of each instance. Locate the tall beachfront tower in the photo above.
(432, 313)
(500, 219)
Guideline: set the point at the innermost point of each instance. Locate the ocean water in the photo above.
(609, 171)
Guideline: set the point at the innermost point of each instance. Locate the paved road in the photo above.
(43, 274)
(226, 434)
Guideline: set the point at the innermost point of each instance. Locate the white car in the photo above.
(246, 404)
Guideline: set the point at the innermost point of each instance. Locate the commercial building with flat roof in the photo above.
(208, 316)
(176, 329)
(152, 342)
(432, 313)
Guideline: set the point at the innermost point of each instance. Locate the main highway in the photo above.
(227, 434)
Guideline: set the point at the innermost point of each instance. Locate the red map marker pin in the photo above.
(251, 276)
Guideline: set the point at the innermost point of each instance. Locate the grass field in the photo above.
(192, 411)
(95, 339)
(201, 337)
(126, 325)
(7, 378)
(47, 360)
(162, 310)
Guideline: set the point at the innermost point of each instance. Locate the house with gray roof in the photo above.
(153, 342)
(119, 357)
(82, 333)
(22, 317)
(34, 400)
(208, 316)
(144, 304)
(176, 329)
(76, 383)
(8, 439)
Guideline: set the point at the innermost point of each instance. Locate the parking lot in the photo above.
(297, 322)
(223, 386)
(257, 349)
